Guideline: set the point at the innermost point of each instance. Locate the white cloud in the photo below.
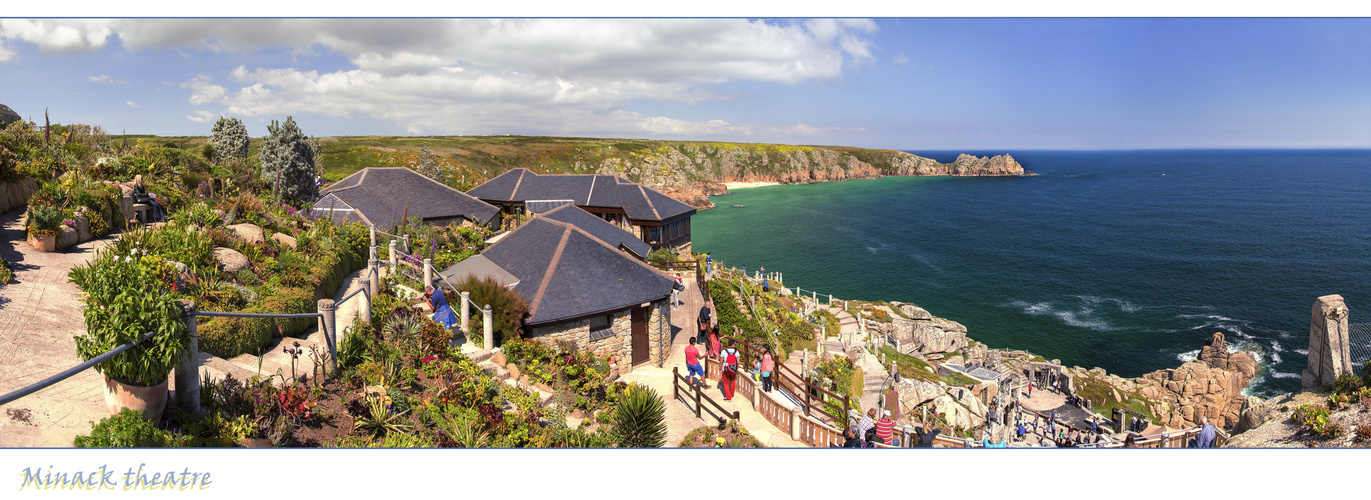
(103, 78)
(202, 91)
(901, 59)
(59, 35)
(6, 53)
(134, 105)
(572, 76)
(200, 116)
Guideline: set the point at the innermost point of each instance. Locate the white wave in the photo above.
(1303, 352)
(1276, 374)
(872, 249)
(1188, 356)
(1275, 359)
(1037, 309)
(1070, 318)
(1276, 346)
(1122, 304)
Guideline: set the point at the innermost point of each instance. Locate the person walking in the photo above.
(768, 365)
(709, 263)
(714, 342)
(702, 321)
(693, 366)
(676, 292)
(729, 374)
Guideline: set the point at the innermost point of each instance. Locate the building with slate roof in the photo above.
(8, 116)
(652, 217)
(615, 236)
(382, 197)
(583, 289)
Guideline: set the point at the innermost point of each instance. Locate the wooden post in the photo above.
(466, 314)
(697, 401)
(486, 320)
(187, 369)
(326, 308)
(675, 389)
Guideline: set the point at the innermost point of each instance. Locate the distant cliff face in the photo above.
(690, 172)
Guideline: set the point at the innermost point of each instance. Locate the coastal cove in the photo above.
(1125, 260)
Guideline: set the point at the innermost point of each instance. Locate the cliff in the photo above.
(687, 171)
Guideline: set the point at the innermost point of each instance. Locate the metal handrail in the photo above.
(217, 314)
(43, 384)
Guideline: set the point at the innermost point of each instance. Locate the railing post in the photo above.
(486, 316)
(675, 389)
(466, 314)
(373, 242)
(364, 309)
(187, 370)
(697, 401)
(407, 248)
(326, 310)
(428, 272)
(393, 260)
(374, 281)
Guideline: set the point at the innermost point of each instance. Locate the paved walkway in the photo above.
(40, 313)
(680, 417)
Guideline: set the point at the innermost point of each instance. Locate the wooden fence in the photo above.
(703, 404)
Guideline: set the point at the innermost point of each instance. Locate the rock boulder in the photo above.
(284, 239)
(247, 232)
(230, 260)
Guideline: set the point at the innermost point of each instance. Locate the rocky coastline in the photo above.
(693, 172)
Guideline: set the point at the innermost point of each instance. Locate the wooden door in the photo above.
(640, 343)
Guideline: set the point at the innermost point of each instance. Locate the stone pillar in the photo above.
(373, 242)
(1329, 356)
(486, 320)
(326, 309)
(364, 307)
(796, 414)
(428, 272)
(394, 261)
(466, 312)
(374, 280)
(188, 369)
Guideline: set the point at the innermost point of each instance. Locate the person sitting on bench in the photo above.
(141, 195)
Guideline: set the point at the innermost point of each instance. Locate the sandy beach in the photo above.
(744, 185)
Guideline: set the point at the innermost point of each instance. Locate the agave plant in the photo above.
(465, 434)
(378, 420)
(640, 419)
(402, 326)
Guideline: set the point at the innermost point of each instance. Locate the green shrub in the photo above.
(45, 219)
(127, 429)
(640, 419)
(508, 308)
(1347, 384)
(291, 301)
(230, 337)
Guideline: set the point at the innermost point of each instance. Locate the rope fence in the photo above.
(68, 373)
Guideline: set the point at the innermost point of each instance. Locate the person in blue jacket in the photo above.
(442, 312)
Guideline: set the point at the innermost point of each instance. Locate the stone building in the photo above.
(652, 217)
(8, 116)
(581, 288)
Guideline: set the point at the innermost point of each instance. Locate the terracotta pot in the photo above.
(43, 242)
(150, 400)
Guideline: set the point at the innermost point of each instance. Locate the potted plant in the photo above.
(44, 222)
(127, 296)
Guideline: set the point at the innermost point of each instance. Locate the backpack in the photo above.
(731, 360)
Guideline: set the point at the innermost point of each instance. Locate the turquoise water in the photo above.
(1123, 260)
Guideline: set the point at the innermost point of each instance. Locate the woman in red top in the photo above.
(885, 428)
(714, 342)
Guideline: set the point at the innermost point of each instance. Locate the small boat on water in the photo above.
(739, 206)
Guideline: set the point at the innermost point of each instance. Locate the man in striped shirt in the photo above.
(885, 428)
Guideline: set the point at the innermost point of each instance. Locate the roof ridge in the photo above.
(568, 225)
(547, 275)
(515, 192)
(643, 191)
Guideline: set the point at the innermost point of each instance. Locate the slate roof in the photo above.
(481, 267)
(600, 229)
(640, 203)
(8, 115)
(566, 273)
(381, 197)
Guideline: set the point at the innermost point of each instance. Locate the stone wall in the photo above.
(16, 194)
(619, 345)
(1329, 355)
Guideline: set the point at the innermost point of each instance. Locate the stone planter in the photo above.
(43, 242)
(150, 400)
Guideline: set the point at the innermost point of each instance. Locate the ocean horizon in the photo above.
(1121, 259)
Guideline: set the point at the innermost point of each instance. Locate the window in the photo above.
(600, 328)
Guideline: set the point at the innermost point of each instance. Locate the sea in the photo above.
(1126, 260)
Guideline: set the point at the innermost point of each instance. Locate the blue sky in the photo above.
(903, 83)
